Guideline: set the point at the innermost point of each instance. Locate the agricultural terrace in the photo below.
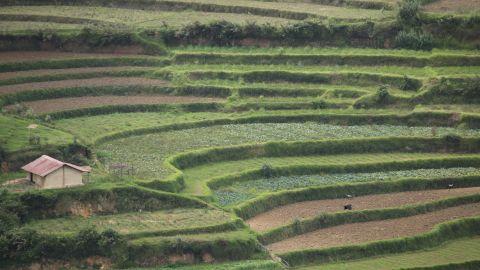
(246, 135)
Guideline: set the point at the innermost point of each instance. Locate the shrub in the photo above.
(320, 104)
(414, 40)
(86, 242)
(382, 95)
(408, 13)
(408, 83)
(267, 170)
(3, 155)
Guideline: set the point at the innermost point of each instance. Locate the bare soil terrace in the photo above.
(62, 104)
(50, 72)
(21, 56)
(454, 6)
(356, 233)
(103, 81)
(308, 209)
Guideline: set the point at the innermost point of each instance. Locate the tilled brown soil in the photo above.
(103, 81)
(356, 233)
(61, 104)
(45, 72)
(288, 213)
(462, 6)
(21, 56)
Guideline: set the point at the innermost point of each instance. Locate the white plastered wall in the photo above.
(73, 177)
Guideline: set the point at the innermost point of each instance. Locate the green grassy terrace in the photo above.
(453, 252)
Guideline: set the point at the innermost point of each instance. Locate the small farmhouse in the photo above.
(47, 172)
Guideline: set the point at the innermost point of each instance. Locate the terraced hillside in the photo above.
(248, 135)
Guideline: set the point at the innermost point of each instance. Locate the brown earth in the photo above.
(103, 81)
(308, 209)
(21, 56)
(457, 6)
(62, 104)
(356, 233)
(45, 72)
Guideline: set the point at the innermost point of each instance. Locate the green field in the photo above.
(132, 223)
(154, 148)
(458, 251)
(14, 134)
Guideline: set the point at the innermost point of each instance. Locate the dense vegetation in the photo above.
(200, 118)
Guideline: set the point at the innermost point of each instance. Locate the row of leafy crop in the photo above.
(440, 234)
(411, 119)
(276, 149)
(326, 59)
(449, 143)
(242, 190)
(308, 169)
(335, 219)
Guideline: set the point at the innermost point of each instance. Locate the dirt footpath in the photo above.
(357, 233)
(288, 213)
(61, 104)
(104, 81)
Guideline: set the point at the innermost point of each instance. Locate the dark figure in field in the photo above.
(347, 207)
(450, 186)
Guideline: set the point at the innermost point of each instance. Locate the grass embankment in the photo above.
(452, 252)
(241, 265)
(324, 51)
(239, 70)
(36, 60)
(222, 246)
(329, 57)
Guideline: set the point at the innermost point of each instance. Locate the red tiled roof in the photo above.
(44, 165)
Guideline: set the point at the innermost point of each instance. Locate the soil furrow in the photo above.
(103, 81)
(309, 209)
(61, 104)
(50, 72)
(358, 233)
